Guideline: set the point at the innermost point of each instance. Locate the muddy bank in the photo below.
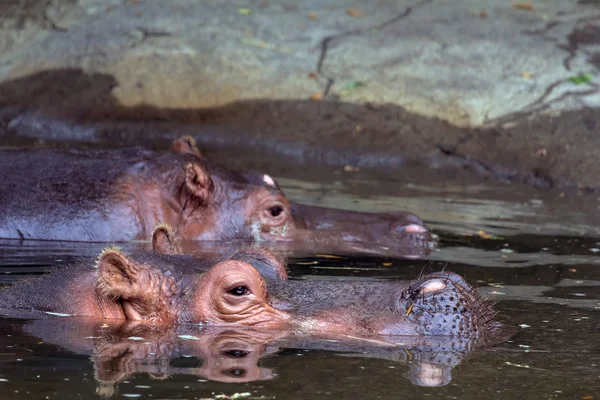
(70, 105)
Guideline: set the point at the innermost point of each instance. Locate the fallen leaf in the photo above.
(387, 264)
(524, 6)
(484, 235)
(263, 45)
(328, 256)
(353, 12)
(317, 96)
(516, 365)
(312, 75)
(526, 75)
(313, 16)
(244, 11)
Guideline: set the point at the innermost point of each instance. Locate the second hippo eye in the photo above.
(239, 291)
(236, 353)
(276, 211)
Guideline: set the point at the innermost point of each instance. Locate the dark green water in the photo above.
(536, 254)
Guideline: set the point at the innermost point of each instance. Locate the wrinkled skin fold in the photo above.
(121, 195)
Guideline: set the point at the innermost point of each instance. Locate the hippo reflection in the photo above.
(120, 350)
(250, 289)
(120, 195)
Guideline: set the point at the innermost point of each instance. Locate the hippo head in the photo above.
(214, 203)
(250, 289)
(234, 292)
(209, 202)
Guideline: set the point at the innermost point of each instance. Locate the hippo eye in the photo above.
(239, 291)
(236, 353)
(276, 211)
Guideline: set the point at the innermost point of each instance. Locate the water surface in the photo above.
(537, 254)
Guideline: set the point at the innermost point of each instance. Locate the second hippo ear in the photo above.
(165, 241)
(118, 276)
(186, 144)
(198, 182)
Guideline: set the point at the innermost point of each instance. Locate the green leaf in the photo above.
(581, 79)
(352, 85)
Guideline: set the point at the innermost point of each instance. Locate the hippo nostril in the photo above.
(433, 285)
(414, 228)
(410, 228)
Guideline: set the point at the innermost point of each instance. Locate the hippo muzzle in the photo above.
(444, 304)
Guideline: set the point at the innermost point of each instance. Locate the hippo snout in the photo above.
(412, 232)
(444, 304)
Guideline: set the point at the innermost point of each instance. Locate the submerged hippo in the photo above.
(250, 290)
(120, 195)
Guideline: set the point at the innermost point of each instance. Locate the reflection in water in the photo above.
(547, 285)
(121, 349)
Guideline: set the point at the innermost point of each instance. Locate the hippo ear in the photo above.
(165, 241)
(186, 144)
(117, 275)
(198, 182)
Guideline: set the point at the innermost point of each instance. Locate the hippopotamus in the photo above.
(251, 289)
(113, 195)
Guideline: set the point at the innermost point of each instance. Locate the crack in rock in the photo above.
(328, 40)
(539, 105)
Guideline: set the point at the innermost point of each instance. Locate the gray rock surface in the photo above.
(482, 83)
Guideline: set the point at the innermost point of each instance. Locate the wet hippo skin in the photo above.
(167, 290)
(121, 195)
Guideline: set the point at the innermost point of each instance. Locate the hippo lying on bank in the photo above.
(120, 195)
(250, 290)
